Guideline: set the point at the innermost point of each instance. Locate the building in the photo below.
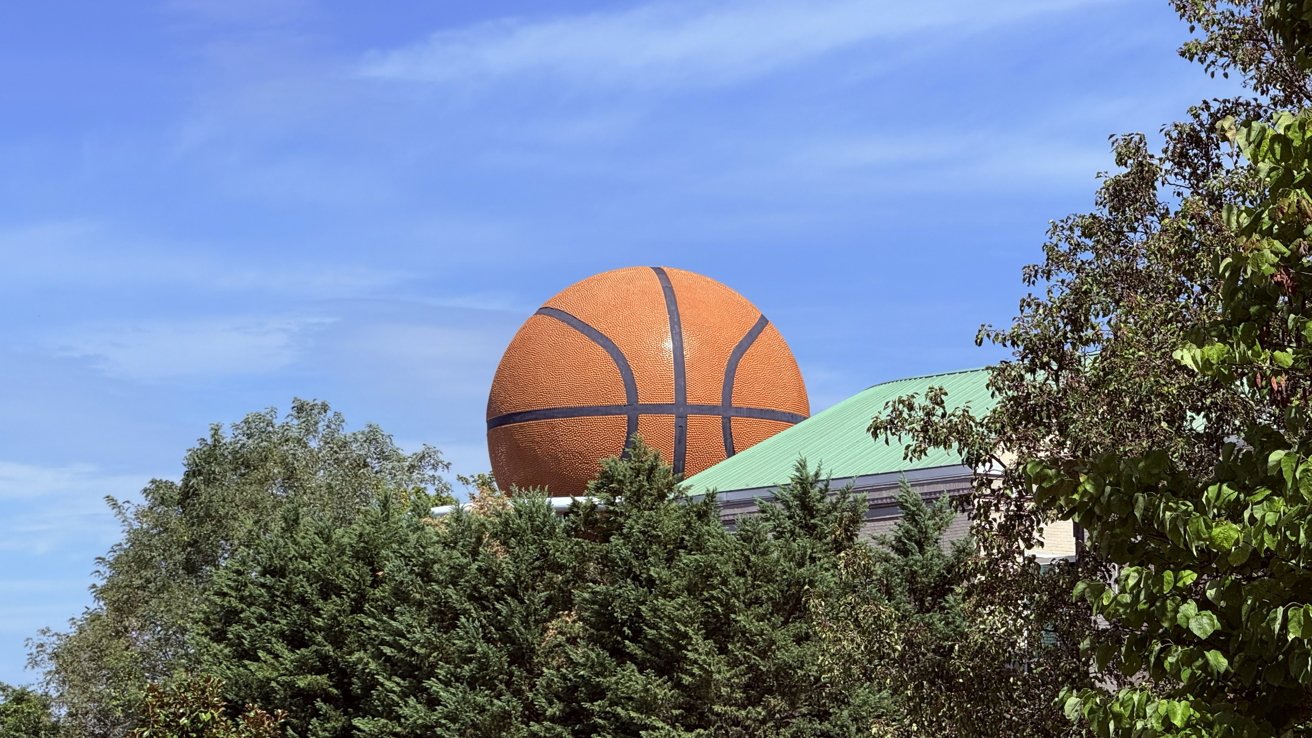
(838, 440)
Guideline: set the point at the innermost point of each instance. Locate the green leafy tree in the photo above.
(792, 565)
(635, 633)
(908, 615)
(1153, 395)
(1290, 22)
(1215, 568)
(193, 707)
(471, 621)
(234, 486)
(26, 713)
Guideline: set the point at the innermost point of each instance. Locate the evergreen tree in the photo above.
(920, 575)
(235, 486)
(681, 628)
(632, 656)
(462, 625)
(799, 561)
(394, 624)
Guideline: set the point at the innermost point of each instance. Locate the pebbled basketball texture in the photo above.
(678, 358)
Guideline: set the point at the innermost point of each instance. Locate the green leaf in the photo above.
(1224, 536)
(1178, 712)
(1072, 708)
(1187, 356)
(1299, 665)
(1274, 620)
(1273, 461)
(1296, 621)
(1239, 554)
(1186, 613)
(1198, 532)
(1218, 661)
(1204, 624)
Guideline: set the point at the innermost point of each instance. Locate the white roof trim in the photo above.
(863, 482)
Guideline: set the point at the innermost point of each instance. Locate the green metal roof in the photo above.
(837, 439)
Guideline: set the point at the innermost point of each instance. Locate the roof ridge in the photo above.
(928, 376)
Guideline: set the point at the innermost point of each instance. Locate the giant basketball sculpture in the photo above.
(680, 359)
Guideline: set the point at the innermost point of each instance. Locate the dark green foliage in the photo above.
(391, 624)
(922, 583)
(472, 627)
(636, 614)
(919, 576)
(812, 518)
(234, 488)
(682, 628)
(284, 617)
(1290, 22)
(26, 713)
(913, 616)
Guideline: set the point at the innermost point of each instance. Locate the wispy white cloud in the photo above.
(489, 301)
(55, 522)
(49, 507)
(44, 530)
(426, 346)
(925, 160)
(682, 43)
(946, 154)
(80, 254)
(172, 349)
(438, 359)
(20, 480)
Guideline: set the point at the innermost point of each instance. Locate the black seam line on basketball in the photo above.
(731, 369)
(680, 380)
(653, 408)
(621, 363)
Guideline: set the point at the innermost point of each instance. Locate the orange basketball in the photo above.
(680, 359)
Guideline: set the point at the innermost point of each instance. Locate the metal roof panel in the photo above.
(837, 439)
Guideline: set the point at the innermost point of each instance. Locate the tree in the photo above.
(910, 616)
(794, 564)
(636, 611)
(235, 486)
(923, 584)
(624, 656)
(193, 707)
(393, 624)
(681, 628)
(1290, 22)
(1154, 393)
(26, 713)
(1215, 567)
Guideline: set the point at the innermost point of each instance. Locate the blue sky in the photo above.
(208, 207)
